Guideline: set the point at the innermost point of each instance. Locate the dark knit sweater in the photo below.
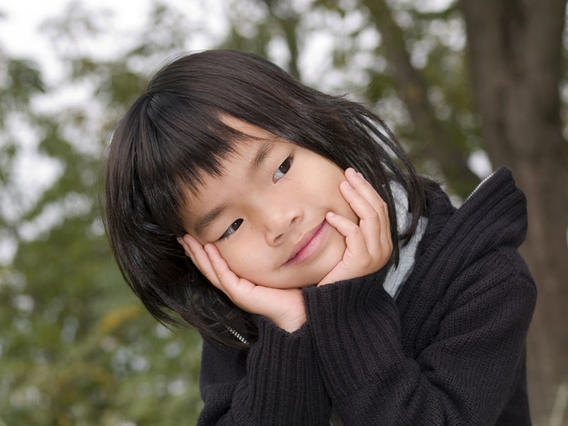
(449, 350)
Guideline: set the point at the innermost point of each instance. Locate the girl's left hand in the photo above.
(368, 243)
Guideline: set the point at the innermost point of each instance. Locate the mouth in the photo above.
(307, 244)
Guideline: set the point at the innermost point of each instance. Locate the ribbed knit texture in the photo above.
(448, 350)
(282, 384)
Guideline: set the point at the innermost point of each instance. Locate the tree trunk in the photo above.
(515, 52)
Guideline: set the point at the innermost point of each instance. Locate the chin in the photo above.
(305, 279)
(322, 266)
(307, 274)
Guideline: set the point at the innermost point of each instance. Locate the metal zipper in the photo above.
(238, 335)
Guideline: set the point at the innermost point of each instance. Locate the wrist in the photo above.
(293, 317)
(291, 323)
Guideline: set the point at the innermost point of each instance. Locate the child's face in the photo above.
(260, 215)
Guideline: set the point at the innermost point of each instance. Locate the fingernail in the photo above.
(330, 214)
(345, 185)
(351, 172)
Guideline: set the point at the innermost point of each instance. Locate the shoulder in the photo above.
(493, 216)
(470, 250)
(502, 272)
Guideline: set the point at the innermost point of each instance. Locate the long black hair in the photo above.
(174, 131)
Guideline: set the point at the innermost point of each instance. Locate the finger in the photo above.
(240, 291)
(369, 218)
(362, 186)
(200, 259)
(185, 247)
(227, 278)
(360, 205)
(188, 253)
(385, 237)
(354, 239)
(187, 250)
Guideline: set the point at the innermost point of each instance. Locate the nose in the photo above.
(279, 220)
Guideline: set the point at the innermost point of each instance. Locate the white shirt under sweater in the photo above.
(397, 275)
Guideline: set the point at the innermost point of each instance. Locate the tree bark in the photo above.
(515, 53)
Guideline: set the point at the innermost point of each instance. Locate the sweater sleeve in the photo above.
(464, 373)
(276, 383)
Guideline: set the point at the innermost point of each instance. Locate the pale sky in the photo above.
(19, 33)
(19, 29)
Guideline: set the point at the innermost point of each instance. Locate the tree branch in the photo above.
(414, 92)
(288, 22)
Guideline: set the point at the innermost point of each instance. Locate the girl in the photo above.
(324, 275)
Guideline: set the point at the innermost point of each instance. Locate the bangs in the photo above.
(177, 143)
(181, 132)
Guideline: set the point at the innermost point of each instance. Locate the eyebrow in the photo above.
(256, 162)
(204, 221)
(261, 154)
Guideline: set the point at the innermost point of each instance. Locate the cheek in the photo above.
(345, 210)
(330, 196)
(243, 259)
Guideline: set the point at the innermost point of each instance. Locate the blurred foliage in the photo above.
(76, 346)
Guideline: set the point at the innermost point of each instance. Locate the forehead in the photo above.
(235, 168)
(248, 150)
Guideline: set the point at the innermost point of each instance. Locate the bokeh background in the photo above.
(466, 86)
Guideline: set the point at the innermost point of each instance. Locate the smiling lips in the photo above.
(307, 245)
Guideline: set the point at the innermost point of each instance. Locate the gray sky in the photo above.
(19, 30)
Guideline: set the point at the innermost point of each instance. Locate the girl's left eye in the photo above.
(283, 169)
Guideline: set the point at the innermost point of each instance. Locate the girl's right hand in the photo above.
(284, 307)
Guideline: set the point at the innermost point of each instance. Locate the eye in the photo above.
(283, 169)
(234, 226)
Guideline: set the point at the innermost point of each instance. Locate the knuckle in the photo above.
(374, 214)
(352, 228)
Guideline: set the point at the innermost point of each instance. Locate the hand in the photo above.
(284, 307)
(369, 243)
